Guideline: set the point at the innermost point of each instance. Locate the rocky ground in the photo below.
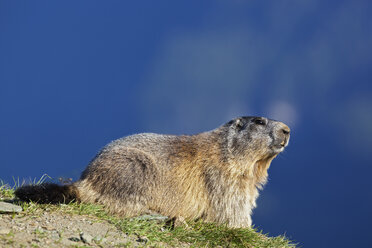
(51, 229)
(40, 228)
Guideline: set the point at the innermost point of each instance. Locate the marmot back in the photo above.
(213, 175)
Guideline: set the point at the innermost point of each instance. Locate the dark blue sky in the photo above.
(75, 75)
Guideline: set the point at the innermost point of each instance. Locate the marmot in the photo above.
(214, 176)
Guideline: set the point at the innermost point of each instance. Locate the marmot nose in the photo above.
(286, 130)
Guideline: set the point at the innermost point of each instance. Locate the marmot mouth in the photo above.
(277, 148)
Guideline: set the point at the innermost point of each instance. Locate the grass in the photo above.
(196, 234)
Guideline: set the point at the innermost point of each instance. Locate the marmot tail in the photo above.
(48, 193)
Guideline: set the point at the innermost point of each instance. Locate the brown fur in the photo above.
(213, 176)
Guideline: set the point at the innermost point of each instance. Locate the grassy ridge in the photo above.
(196, 234)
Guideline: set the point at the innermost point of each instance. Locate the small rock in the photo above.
(9, 208)
(55, 235)
(4, 230)
(100, 239)
(48, 227)
(86, 238)
(157, 217)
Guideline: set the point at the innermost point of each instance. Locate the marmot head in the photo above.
(256, 138)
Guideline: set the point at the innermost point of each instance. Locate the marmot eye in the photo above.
(259, 122)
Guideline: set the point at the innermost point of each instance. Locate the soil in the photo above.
(53, 229)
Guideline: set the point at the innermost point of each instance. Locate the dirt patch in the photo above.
(52, 229)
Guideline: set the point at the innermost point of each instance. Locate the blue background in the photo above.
(75, 75)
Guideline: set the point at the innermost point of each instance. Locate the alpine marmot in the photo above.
(214, 176)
